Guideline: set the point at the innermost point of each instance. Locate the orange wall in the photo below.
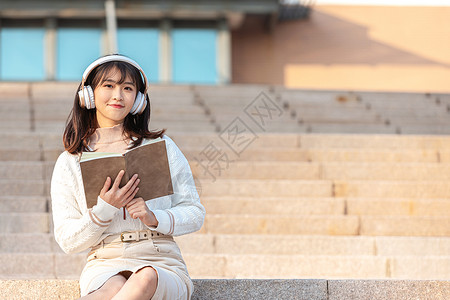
(349, 47)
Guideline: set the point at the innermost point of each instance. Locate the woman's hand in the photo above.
(138, 209)
(116, 196)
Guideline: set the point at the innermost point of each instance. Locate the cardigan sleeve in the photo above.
(75, 231)
(186, 214)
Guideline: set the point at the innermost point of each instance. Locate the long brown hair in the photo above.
(82, 122)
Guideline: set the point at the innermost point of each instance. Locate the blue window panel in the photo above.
(194, 56)
(142, 45)
(22, 54)
(76, 48)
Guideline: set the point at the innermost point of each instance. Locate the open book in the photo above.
(149, 161)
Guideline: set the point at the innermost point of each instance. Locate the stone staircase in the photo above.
(296, 184)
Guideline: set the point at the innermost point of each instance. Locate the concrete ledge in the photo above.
(243, 289)
(238, 289)
(388, 289)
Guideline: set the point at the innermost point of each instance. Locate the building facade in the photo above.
(174, 41)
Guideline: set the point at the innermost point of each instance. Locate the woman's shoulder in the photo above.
(67, 158)
(164, 137)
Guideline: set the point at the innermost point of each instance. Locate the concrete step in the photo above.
(279, 244)
(397, 207)
(224, 118)
(404, 226)
(271, 154)
(327, 206)
(165, 109)
(19, 140)
(57, 127)
(301, 289)
(392, 189)
(234, 90)
(197, 126)
(325, 188)
(362, 118)
(333, 99)
(323, 266)
(52, 141)
(437, 129)
(24, 140)
(444, 155)
(265, 188)
(331, 155)
(371, 155)
(59, 110)
(259, 224)
(64, 266)
(329, 171)
(385, 171)
(16, 107)
(172, 117)
(397, 108)
(24, 222)
(9, 204)
(374, 142)
(398, 104)
(41, 266)
(15, 125)
(324, 112)
(173, 100)
(27, 243)
(274, 205)
(21, 170)
(24, 155)
(327, 225)
(418, 121)
(30, 187)
(339, 128)
(288, 244)
(14, 90)
(50, 90)
(263, 170)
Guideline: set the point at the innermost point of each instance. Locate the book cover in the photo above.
(149, 161)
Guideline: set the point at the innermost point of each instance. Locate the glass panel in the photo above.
(142, 45)
(22, 54)
(76, 48)
(194, 56)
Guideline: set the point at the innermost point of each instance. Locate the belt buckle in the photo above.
(122, 237)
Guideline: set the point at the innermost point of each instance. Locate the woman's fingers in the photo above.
(120, 196)
(118, 179)
(131, 189)
(130, 197)
(136, 207)
(130, 182)
(106, 186)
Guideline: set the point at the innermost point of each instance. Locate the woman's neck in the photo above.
(109, 139)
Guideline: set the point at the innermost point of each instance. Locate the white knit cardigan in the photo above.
(78, 228)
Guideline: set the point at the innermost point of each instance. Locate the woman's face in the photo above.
(114, 100)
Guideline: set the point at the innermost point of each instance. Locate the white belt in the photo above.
(134, 236)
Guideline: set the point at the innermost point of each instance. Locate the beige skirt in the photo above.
(162, 254)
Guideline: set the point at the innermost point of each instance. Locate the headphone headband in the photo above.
(109, 58)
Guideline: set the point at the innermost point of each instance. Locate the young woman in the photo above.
(111, 113)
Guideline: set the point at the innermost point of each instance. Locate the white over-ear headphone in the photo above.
(86, 94)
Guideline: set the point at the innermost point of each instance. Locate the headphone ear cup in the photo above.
(139, 104)
(86, 96)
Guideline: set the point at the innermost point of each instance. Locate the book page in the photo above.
(151, 164)
(85, 156)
